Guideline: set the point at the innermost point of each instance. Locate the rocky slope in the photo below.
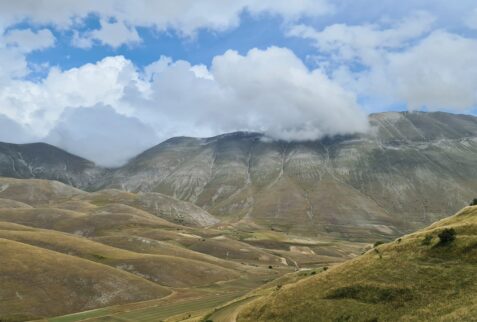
(44, 161)
(408, 171)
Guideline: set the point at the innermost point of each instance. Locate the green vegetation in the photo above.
(371, 294)
(446, 236)
(379, 242)
(427, 240)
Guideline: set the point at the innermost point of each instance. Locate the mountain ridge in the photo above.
(309, 187)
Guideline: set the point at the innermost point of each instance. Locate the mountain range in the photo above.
(409, 170)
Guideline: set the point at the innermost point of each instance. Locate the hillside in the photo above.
(65, 250)
(38, 282)
(44, 161)
(410, 170)
(414, 278)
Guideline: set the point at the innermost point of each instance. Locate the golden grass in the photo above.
(401, 280)
(37, 282)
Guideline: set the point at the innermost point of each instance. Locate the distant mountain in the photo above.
(44, 161)
(410, 170)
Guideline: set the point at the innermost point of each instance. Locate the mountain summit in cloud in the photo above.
(294, 71)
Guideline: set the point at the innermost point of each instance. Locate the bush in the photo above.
(446, 236)
(474, 202)
(270, 266)
(427, 240)
(379, 242)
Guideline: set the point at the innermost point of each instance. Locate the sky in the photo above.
(108, 79)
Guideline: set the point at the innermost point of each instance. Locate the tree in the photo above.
(474, 202)
(446, 236)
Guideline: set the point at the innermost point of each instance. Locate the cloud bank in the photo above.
(417, 55)
(270, 91)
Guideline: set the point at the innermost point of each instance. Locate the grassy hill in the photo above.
(65, 250)
(414, 278)
(37, 282)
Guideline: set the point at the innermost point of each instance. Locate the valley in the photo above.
(241, 228)
(66, 250)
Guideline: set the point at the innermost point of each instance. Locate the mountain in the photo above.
(44, 161)
(408, 171)
(419, 277)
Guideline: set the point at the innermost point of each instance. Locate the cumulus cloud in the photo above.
(270, 91)
(99, 133)
(440, 72)
(15, 45)
(113, 34)
(27, 40)
(12, 132)
(365, 43)
(404, 63)
(471, 20)
(40, 104)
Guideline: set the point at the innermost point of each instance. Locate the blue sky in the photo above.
(253, 32)
(127, 75)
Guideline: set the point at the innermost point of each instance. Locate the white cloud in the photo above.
(440, 72)
(12, 132)
(15, 45)
(265, 90)
(404, 63)
(185, 16)
(27, 40)
(99, 133)
(40, 104)
(270, 91)
(364, 43)
(113, 34)
(471, 20)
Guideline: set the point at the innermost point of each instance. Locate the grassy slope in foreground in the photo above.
(36, 282)
(407, 279)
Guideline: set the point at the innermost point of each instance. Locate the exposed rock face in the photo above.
(411, 169)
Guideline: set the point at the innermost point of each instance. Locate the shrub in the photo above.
(270, 266)
(98, 257)
(325, 268)
(427, 240)
(446, 236)
(473, 202)
(379, 242)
